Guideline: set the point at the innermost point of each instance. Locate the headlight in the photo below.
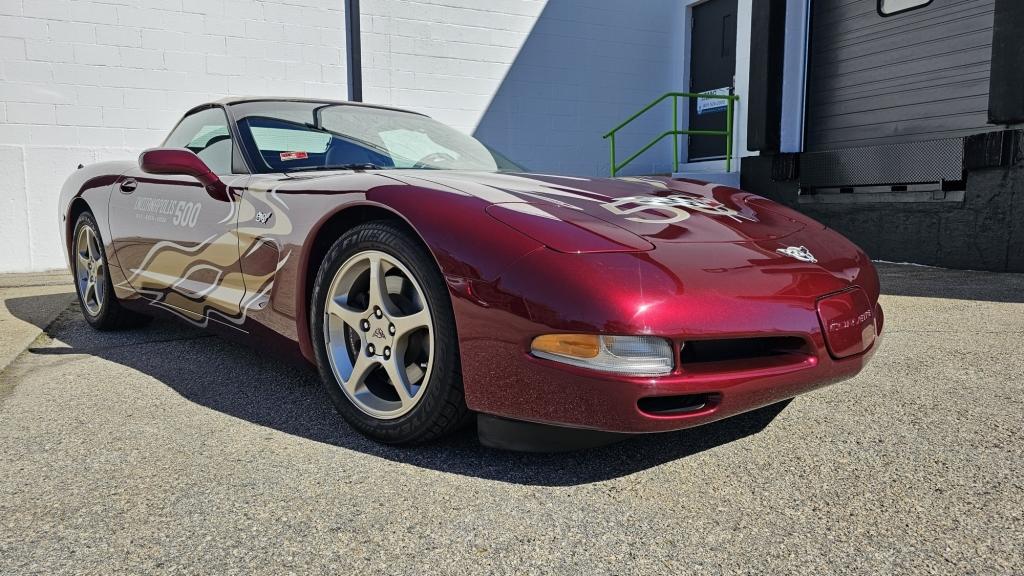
(630, 355)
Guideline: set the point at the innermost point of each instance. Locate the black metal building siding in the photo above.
(919, 75)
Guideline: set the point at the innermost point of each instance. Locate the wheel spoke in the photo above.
(345, 314)
(93, 244)
(378, 286)
(83, 262)
(361, 368)
(405, 325)
(90, 289)
(399, 379)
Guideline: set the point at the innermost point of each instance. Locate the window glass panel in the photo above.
(887, 7)
(285, 140)
(217, 156)
(284, 136)
(409, 139)
(286, 145)
(205, 133)
(407, 145)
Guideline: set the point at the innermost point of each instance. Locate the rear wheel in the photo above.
(385, 337)
(92, 280)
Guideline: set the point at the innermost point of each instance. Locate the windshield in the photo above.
(300, 136)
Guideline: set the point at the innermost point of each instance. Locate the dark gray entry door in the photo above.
(712, 67)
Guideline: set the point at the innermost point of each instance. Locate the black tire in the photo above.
(442, 409)
(109, 314)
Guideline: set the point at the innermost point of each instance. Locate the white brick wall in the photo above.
(89, 80)
(539, 80)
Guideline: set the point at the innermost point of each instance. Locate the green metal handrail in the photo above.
(676, 132)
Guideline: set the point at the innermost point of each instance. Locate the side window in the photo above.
(205, 133)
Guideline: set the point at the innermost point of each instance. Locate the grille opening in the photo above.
(668, 405)
(695, 351)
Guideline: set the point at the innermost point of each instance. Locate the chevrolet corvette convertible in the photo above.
(432, 281)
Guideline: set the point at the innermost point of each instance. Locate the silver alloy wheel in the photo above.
(90, 270)
(379, 334)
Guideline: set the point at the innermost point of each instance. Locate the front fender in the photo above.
(93, 184)
(465, 242)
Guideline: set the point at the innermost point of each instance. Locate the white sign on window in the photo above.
(887, 7)
(708, 105)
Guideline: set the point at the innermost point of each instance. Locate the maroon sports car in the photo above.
(431, 280)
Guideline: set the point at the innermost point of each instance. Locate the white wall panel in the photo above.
(83, 80)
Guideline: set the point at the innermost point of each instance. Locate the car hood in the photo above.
(635, 213)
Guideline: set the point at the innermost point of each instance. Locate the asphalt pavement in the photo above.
(164, 450)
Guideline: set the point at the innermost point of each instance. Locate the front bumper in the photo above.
(544, 392)
(759, 296)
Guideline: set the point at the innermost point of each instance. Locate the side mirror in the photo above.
(182, 161)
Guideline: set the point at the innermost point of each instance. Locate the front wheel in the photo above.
(385, 339)
(95, 290)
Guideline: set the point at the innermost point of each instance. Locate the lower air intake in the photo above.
(675, 405)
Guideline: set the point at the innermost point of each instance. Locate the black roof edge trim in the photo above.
(231, 101)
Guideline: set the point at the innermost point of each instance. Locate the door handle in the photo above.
(129, 185)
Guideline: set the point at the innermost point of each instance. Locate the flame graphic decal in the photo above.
(208, 281)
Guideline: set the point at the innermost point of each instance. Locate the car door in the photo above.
(175, 242)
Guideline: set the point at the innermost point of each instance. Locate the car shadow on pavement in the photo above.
(256, 387)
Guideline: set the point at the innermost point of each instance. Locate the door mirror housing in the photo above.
(185, 162)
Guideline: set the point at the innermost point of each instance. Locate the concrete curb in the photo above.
(28, 304)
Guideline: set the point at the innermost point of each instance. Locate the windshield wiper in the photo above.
(351, 166)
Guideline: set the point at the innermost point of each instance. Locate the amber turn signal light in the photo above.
(572, 345)
(629, 355)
